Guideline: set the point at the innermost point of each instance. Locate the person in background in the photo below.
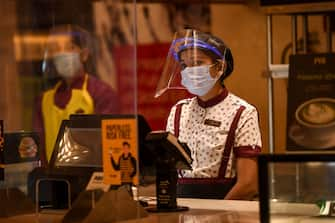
(221, 129)
(69, 59)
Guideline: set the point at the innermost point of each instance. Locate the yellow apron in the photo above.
(80, 100)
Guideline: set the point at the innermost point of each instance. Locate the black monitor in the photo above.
(77, 150)
(78, 146)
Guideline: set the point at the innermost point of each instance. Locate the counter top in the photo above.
(203, 211)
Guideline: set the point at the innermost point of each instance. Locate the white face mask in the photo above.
(198, 79)
(67, 64)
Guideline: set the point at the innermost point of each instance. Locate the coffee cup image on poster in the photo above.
(311, 104)
(314, 125)
(120, 153)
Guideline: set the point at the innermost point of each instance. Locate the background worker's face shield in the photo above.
(190, 48)
(67, 51)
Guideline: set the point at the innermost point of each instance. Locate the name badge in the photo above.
(212, 122)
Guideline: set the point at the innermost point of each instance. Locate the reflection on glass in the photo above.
(297, 188)
(304, 182)
(219, 217)
(202, 218)
(80, 148)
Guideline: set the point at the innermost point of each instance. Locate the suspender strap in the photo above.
(229, 143)
(177, 119)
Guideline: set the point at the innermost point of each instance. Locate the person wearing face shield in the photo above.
(69, 60)
(221, 129)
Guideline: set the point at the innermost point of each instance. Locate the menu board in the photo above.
(120, 151)
(311, 103)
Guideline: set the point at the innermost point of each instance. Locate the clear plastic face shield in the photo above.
(67, 49)
(195, 60)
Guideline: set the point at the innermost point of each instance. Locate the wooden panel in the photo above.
(186, 1)
(10, 100)
(299, 8)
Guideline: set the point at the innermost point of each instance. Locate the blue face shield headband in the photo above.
(186, 43)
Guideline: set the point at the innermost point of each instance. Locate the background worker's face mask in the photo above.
(198, 80)
(67, 64)
(67, 52)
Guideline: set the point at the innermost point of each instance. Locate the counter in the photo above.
(203, 211)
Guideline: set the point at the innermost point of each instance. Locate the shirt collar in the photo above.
(77, 82)
(213, 101)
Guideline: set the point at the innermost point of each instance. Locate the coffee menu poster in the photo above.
(311, 103)
(120, 153)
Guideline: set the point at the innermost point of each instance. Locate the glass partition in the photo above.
(64, 57)
(297, 187)
(61, 57)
